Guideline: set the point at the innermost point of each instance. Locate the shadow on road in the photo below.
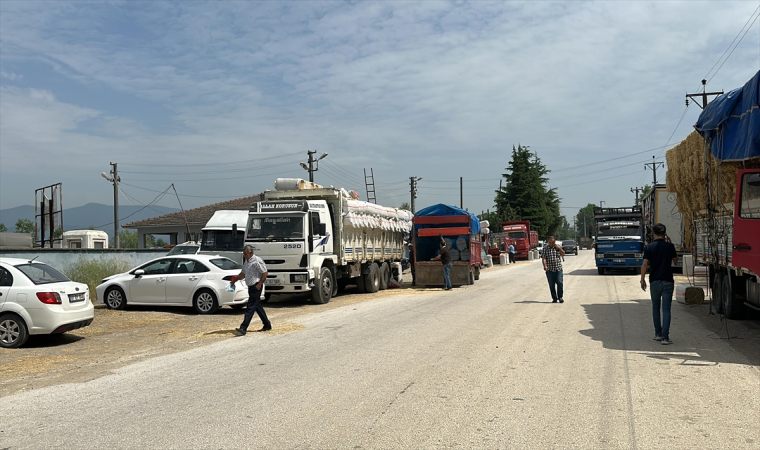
(707, 343)
(52, 340)
(610, 272)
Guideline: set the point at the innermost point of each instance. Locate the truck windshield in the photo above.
(264, 227)
(214, 240)
(517, 235)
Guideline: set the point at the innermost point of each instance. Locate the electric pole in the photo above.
(114, 178)
(654, 165)
(636, 191)
(310, 168)
(704, 95)
(413, 185)
(461, 196)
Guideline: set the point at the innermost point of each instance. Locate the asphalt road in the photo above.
(494, 365)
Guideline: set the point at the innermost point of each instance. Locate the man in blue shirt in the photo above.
(657, 257)
(511, 253)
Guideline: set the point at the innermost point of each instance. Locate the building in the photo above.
(185, 226)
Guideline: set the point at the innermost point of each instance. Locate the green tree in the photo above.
(127, 239)
(585, 220)
(160, 243)
(647, 189)
(24, 226)
(3, 228)
(525, 195)
(405, 206)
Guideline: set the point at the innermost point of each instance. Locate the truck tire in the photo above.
(385, 276)
(336, 288)
(323, 287)
(372, 279)
(471, 278)
(733, 309)
(477, 273)
(600, 270)
(716, 301)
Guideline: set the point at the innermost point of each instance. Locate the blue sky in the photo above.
(220, 98)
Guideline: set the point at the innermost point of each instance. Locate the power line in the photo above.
(598, 179)
(732, 43)
(608, 160)
(155, 200)
(218, 163)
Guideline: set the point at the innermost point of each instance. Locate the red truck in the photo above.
(728, 235)
(518, 234)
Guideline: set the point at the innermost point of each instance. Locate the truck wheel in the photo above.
(336, 288)
(323, 287)
(477, 273)
(717, 294)
(600, 270)
(471, 278)
(732, 308)
(372, 279)
(385, 276)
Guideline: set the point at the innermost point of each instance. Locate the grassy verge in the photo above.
(91, 271)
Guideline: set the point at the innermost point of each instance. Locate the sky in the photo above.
(221, 98)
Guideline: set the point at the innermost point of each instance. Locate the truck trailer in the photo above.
(319, 240)
(619, 238)
(659, 206)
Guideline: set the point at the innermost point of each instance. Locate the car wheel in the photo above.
(372, 279)
(13, 331)
(115, 298)
(205, 302)
(323, 287)
(385, 276)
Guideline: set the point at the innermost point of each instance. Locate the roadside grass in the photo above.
(91, 271)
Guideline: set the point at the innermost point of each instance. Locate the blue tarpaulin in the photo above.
(448, 210)
(731, 123)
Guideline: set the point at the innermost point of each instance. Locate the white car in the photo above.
(181, 280)
(37, 299)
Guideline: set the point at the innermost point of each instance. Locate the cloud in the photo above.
(11, 76)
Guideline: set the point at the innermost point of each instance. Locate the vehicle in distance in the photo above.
(187, 248)
(37, 299)
(198, 281)
(569, 246)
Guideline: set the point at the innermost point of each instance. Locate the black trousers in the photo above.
(254, 306)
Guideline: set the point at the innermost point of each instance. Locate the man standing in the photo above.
(511, 250)
(255, 272)
(657, 257)
(552, 259)
(445, 258)
(411, 264)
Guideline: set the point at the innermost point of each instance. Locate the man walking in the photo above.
(657, 257)
(511, 250)
(255, 272)
(445, 257)
(552, 259)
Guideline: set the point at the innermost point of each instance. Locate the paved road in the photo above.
(495, 365)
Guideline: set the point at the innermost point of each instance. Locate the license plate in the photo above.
(73, 298)
(272, 281)
(618, 260)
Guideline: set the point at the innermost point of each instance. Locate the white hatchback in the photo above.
(37, 299)
(199, 281)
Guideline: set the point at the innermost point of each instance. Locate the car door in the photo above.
(6, 281)
(746, 238)
(150, 287)
(180, 284)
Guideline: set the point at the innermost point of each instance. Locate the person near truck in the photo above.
(411, 264)
(657, 258)
(255, 273)
(511, 250)
(552, 260)
(445, 257)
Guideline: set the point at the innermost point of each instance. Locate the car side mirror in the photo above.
(322, 229)
(139, 273)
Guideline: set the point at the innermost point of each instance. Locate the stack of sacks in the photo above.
(484, 224)
(454, 254)
(359, 214)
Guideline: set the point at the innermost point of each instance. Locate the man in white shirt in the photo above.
(255, 272)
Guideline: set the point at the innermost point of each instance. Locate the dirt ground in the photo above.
(118, 338)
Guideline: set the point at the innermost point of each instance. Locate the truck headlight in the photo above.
(637, 255)
(301, 278)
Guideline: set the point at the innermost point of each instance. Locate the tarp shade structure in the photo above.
(438, 219)
(448, 210)
(731, 123)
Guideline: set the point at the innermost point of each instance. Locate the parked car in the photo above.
(181, 280)
(37, 299)
(186, 248)
(570, 246)
(540, 248)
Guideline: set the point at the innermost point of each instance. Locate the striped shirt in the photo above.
(553, 259)
(253, 268)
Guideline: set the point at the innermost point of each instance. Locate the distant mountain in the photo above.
(91, 214)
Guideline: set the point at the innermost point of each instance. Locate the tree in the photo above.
(3, 228)
(585, 220)
(161, 243)
(644, 192)
(127, 239)
(24, 226)
(405, 206)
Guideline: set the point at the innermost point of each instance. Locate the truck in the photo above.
(659, 206)
(585, 243)
(519, 234)
(461, 229)
(319, 240)
(728, 233)
(619, 238)
(224, 234)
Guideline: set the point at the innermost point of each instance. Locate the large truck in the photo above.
(659, 206)
(319, 240)
(585, 243)
(728, 234)
(518, 234)
(461, 229)
(224, 234)
(619, 238)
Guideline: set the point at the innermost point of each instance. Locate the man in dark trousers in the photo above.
(657, 258)
(411, 264)
(255, 272)
(511, 253)
(445, 257)
(552, 260)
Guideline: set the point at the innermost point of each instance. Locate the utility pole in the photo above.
(413, 185)
(310, 168)
(114, 178)
(461, 196)
(654, 165)
(704, 95)
(636, 191)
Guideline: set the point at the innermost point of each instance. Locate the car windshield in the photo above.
(226, 264)
(275, 227)
(221, 240)
(568, 243)
(42, 273)
(184, 250)
(517, 235)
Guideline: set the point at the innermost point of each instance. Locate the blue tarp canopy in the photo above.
(731, 123)
(448, 210)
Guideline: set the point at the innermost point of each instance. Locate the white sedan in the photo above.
(199, 281)
(37, 299)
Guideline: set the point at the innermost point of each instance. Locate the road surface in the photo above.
(494, 365)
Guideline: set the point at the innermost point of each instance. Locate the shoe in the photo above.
(666, 341)
(240, 332)
(265, 328)
(657, 337)
(561, 301)
(555, 300)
